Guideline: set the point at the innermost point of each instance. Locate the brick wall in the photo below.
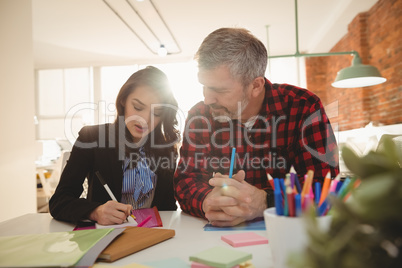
(377, 36)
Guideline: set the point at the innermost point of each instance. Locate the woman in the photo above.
(136, 156)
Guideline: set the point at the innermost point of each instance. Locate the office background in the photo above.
(375, 32)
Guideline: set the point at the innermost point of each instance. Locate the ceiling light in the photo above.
(358, 75)
(148, 43)
(162, 51)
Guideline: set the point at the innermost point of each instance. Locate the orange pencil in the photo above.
(307, 184)
(325, 188)
(355, 185)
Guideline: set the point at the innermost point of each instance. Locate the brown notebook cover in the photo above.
(134, 239)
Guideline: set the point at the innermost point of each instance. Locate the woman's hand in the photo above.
(111, 212)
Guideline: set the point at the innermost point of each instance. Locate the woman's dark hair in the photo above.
(166, 135)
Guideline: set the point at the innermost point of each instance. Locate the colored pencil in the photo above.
(144, 221)
(292, 180)
(323, 208)
(271, 181)
(298, 205)
(317, 192)
(278, 197)
(352, 186)
(307, 184)
(295, 179)
(342, 190)
(334, 183)
(285, 206)
(338, 187)
(291, 201)
(325, 188)
(232, 159)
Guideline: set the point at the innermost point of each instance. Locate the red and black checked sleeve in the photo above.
(317, 150)
(191, 177)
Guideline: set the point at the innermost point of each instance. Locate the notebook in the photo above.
(134, 239)
(140, 214)
(257, 224)
(130, 222)
(92, 254)
(58, 249)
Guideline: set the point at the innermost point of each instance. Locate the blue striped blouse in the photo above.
(138, 182)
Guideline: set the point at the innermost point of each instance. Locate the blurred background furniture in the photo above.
(364, 140)
(49, 183)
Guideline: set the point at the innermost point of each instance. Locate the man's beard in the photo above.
(226, 115)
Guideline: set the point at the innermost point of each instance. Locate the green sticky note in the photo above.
(221, 257)
(49, 249)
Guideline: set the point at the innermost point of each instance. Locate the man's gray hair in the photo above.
(244, 54)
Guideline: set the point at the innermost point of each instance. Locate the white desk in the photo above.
(190, 237)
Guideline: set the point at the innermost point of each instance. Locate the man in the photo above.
(272, 127)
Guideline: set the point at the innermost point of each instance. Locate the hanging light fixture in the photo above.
(162, 51)
(357, 75)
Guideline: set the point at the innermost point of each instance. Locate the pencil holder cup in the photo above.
(288, 234)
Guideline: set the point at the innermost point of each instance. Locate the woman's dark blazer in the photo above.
(97, 149)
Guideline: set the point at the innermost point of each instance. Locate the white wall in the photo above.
(17, 132)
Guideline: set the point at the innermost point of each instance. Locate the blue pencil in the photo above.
(232, 159)
(298, 205)
(317, 192)
(278, 203)
(278, 197)
(338, 187)
(343, 187)
(323, 208)
(285, 209)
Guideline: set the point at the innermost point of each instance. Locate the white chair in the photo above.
(49, 185)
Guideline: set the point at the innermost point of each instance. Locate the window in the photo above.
(287, 71)
(67, 98)
(61, 97)
(112, 79)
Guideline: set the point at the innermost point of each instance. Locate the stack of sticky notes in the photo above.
(244, 239)
(220, 257)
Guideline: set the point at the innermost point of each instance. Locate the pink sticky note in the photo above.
(200, 265)
(244, 239)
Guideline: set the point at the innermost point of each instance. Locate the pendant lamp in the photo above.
(358, 75)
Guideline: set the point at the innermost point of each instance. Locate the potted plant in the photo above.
(366, 230)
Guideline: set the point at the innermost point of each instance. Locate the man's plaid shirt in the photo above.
(292, 128)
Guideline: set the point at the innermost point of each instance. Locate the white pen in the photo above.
(103, 182)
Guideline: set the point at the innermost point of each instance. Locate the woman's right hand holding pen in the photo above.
(112, 212)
